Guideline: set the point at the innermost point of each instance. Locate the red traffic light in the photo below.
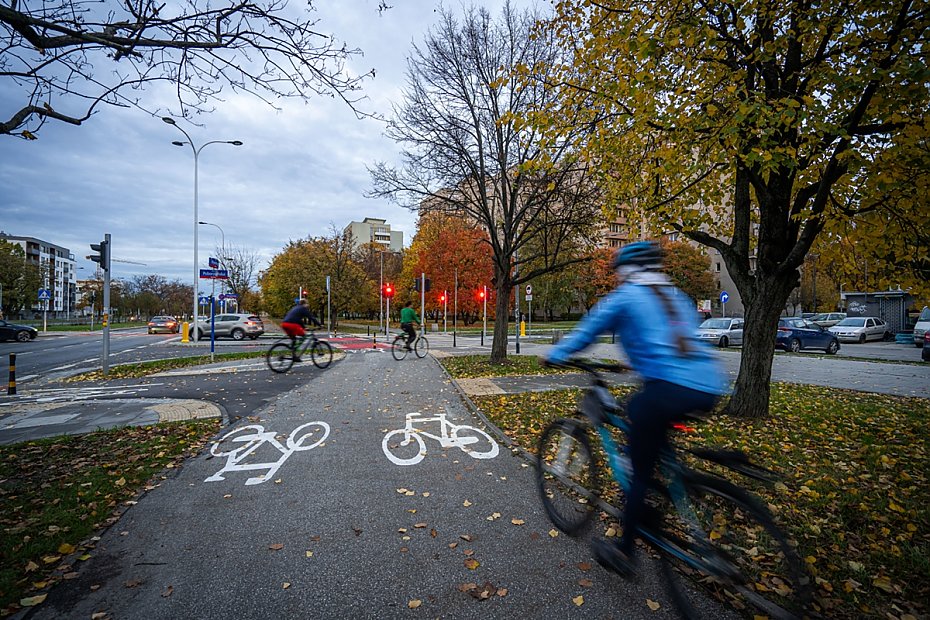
(388, 290)
(480, 294)
(442, 299)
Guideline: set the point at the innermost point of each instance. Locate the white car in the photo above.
(922, 327)
(828, 319)
(861, 328)
(721, 332)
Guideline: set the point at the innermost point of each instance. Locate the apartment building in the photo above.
(375, 230)
(57, 266)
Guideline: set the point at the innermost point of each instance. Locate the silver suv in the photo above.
(235, 326)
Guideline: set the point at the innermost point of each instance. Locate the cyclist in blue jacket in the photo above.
(656, 324)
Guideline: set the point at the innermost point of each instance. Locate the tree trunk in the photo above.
(753, 384)
(502, 313)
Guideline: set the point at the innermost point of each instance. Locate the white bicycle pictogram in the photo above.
(254, 436)
(451, 436)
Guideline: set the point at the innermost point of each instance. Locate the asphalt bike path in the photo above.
(331, 526)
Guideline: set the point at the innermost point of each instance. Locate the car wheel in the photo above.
(833, 347)
(723, 342)
(919, 345)
(794, 346)
(887, 336)
(861, 338)
(237, 334)
(23, 336)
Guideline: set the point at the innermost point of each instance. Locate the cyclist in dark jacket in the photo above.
(657, 328)
(293, 323)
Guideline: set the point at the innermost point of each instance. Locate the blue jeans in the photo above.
(651, 411)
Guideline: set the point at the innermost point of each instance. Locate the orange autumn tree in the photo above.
(442, 247)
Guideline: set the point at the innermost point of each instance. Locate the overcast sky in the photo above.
(299, 171)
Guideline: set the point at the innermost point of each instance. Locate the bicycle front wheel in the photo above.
(421, 348)
(399, 348)
(321, 354)
(566, 475)
(280, 357)
(743, 550)
(475, 442)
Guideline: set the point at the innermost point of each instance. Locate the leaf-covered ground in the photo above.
(854, 493)
(56, 493)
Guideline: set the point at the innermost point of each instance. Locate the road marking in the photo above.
(52, 395)
(449, 437)
(254, 436)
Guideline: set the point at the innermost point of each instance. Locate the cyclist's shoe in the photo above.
(609, 556)
(408, 348)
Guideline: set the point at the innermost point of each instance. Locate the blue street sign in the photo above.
(214, 274)
(213, 262)
(724, 297)
(44, 294)
(228, 296)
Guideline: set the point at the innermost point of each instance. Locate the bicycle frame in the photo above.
(601, 408)
(444, 440)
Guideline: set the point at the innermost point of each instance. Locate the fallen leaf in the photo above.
(453, 545)
(309, 554)
(31, 566)
(357, 531)
(168, 592)
(276, 546)
(611, 532)
(278, 481)
(652, 605)
(426, 494)
(286, 585)
(585, 583)
(469, 552)
(419, 525)
(554, 533)
(466, 503)
(100, 615)
(472, 563)
(65, 548)
(585, 566)
(517, 521)
(502, 591)
(433, 533)
(404, 549)
(465, 587)
(51, 559)
(38, 585)
(494, 516)
(578, 600)
(132, 583)
(413, 604)
(120, 482)
(69, 576)
(95, 587)
(465, 537)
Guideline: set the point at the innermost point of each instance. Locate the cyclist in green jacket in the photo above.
(408, 316)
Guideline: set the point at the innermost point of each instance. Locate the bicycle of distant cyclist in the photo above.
(411, 448)
(283, 353)
(702, 523)
(420, 345)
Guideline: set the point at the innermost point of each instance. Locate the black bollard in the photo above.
(11, 388)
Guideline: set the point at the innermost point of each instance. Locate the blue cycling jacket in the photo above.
(650, 337)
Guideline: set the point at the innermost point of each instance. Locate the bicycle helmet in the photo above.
(642, 253)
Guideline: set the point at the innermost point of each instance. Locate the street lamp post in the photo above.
(222, 254)
(196, 150)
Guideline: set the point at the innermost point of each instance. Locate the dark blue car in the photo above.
(795, 334)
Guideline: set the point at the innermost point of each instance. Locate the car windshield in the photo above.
(925, 314)
(820, 317)
(716, 324)
(851, 323)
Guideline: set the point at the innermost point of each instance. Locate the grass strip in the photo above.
(474, 366)
(55, 494)
(854, 494)
(142, 369)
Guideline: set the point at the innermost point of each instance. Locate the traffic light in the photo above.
(102, 257)
(416, 285)
(480, 294)
(388, 291)
(442, 298)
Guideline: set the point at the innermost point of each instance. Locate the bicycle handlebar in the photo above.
(591, 366)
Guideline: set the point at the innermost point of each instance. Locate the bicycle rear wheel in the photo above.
(321, 354)
(744, 551)
(421, 347)
(280, 357)
(399, 347)
(566, 475)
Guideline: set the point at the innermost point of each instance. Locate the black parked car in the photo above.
(12, 331)
(795, 334)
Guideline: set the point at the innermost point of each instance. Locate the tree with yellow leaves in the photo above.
(748, 127)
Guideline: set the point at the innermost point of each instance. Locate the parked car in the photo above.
(828, 319)
(808, 315)
(235, 326)
(721, 332)
(861, 328)
(12, 331)
(922, 327)
(167, 324)
(795, 334)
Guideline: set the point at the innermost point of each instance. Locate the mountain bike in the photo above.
(283, 353)
(399, 347)
(702, 523)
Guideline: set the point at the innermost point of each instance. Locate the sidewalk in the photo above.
(329, 525)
